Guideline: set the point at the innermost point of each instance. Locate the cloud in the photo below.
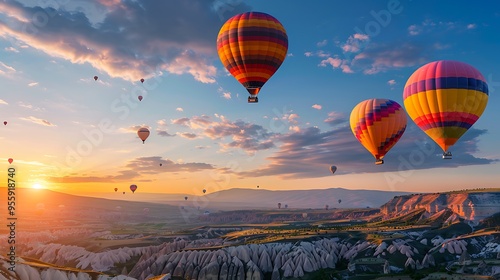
(161, 122)
(33, 84)
(179, 109)
(414, 30)
(391, 82)
(164, 133)
(226, 95)
(471, 26)
(3, 102)
(322, 43)
(129, 40)
(336, 62)
(317, 106)
(11, 49)
(380, 58)
(6, 69)
(38, 121)
(30, 107)
(133, 128)
(355, 42)
(335, 118)
(309, 152)
(136, 168)
(238, 134)
(187, 135)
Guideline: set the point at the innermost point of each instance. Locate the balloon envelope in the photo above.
(10, 160)
(142, 80)
(133, 188)
(116, 189)
(445, 98)
(143, 133)
(204, 191)
(252, 46)
(333, 168)
(140, 97)
(5, 123)
(185, 198)
(95, 78)
(378, 124)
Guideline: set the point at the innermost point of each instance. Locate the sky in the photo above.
(69, 133)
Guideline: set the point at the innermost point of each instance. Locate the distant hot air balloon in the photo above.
(116, 189)
(340, 200)
(161, 164)
(133, 188)
(286, 206)
(204, 191)
(279, 205)
(142, 80)
(445, 98)
(257, 187)
(123, 192)
(378, 124)
(326, 207)
(143, 133)
(333, 168)
(185, 198)
(5, 123)
(140, 97)
(10, 160)
(252, 46)
(95, 78)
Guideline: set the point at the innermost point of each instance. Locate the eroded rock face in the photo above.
(472, 206)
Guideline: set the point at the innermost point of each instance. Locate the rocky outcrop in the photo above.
(470, 205)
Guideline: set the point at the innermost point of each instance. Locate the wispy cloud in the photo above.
(11, 49)
(3, 102)
(179, 109)
(322, 43)
(471, 26)
(317, 150)
(33, 84)
(391, 82)
(38, 121)
(154, 44)
(335, 118)
(317, 106)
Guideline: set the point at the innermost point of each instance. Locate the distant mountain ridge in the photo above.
(472, 205)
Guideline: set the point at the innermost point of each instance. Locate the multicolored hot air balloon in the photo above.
(143, 133)
(252, 46)
(378, 124)
(333, 168)
(445, 98)
(133, 188)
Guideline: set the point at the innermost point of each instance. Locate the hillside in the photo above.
(473, 205)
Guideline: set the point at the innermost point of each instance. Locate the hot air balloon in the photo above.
(142, 80)
(133, 188)
(5, 123)
(123, 192)
(116, 189)
(95, 78)
(378, 124)
(143, 133)
(340, 200)
(326, 207)
(161, 164)
(10, 160)
(286, 206)
(279, 205)
(204, 191)
(333, 168)
(140, 97)
(185, 198)
(257, 187)
(252, 46)
(445, 98)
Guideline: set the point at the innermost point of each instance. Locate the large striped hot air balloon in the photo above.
(252, 46)
(378, 124)
(445, 98)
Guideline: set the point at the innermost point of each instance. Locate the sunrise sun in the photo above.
(37, 186)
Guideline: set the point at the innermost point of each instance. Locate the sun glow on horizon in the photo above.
(37, 186)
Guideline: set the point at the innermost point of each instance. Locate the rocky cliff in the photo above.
(470, 205)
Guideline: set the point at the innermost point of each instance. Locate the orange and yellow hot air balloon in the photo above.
(252, 46)
(378, 124)
(445, 98)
